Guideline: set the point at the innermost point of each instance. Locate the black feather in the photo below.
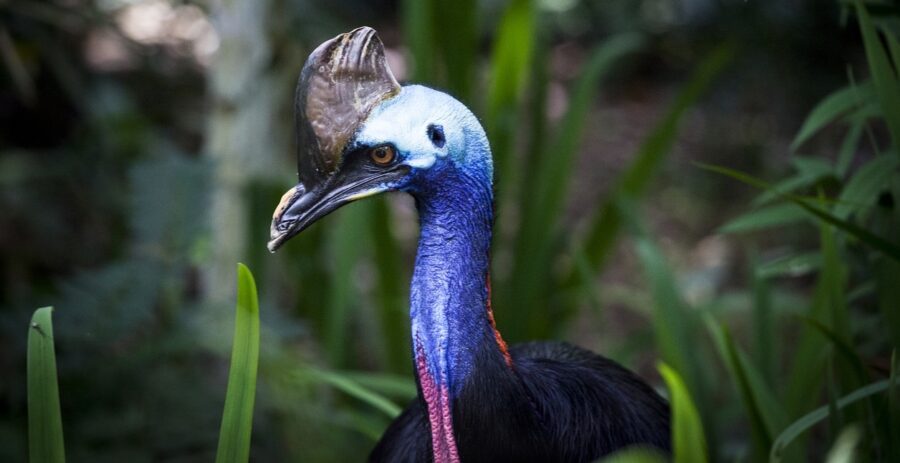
(558, 403)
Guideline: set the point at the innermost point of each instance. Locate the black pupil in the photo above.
(436, 134)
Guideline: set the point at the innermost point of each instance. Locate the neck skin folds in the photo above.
(449, 307)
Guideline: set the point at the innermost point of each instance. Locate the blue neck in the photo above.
(449, 303)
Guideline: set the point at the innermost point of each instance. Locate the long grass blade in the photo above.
(776, 215)
(865, 185)
(688, 441)
(390, 290)
(511, 58)
(766, 414)
(831, 108)
(45, 431)
(814, 417)
(456, 24)
(884, 76)
(346, 248)
(419, 32)
(237, 418)
(874, 241)
(352, 388)
(547, 188)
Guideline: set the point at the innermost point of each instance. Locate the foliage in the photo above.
(784, 361)
(45, 433)
(237, 419)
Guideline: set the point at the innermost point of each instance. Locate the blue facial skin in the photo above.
(451, 180)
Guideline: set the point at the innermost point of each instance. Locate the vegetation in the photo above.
(791, 357)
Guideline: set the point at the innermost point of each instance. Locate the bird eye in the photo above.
(436, 134)
(382, 155)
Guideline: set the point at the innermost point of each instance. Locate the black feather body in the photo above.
(556, 403)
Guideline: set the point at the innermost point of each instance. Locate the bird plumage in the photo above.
(478, 400)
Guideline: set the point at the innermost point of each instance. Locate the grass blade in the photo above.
(237, 418)
(45, 431)
(390, 290)
(864, 187)
(689, 444)
(352, 388)
(547, 188)
(765, 217)
(791, 265)
(456, 24)
(417, 25)
(514, 50)
(874, 241)
(886, 84)
(766, 414)
(814, 417)
(832, 107)
(345, 249)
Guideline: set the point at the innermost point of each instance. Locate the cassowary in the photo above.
(359, 134)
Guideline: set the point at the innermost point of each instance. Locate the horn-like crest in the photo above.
(341, 82)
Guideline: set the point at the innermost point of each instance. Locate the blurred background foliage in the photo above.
(144, 144)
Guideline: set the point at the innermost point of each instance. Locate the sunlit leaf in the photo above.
(688, 441)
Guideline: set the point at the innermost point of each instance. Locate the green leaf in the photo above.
(831, 108)
(765, 218)
(847, 352)
(886, 84)
(345, 249)
(864, 187)
(689, 444)
(390, 289)
(547, 188)
(802, 179)
(870, 239)
(237, 418)
(848, 147)
(419, 32)
(45, 431)
(791, 265)
(814, 417)
(401, 387)
(767, 416)
(350, 387)
(514, 49)
(456, 24)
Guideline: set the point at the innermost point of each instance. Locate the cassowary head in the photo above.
(359, 133)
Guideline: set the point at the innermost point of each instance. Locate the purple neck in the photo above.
(450, 295)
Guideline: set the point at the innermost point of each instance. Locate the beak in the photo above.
(299, 208)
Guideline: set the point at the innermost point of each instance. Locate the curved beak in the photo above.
(299, 208)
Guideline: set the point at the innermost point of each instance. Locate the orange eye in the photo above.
(382, 155)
